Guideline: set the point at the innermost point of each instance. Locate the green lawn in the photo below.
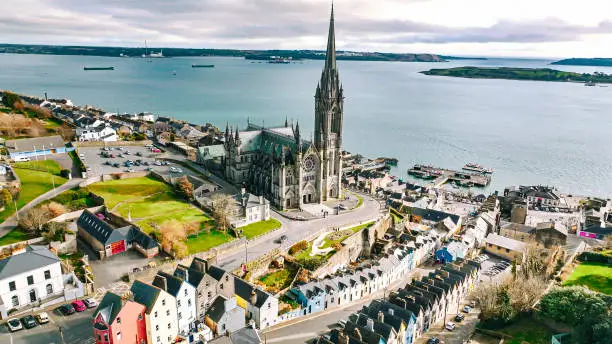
(595, 276)
(33, 184)
(527, 330)
(258, 228)
(205, 241)
(50, 166)
(74, 199)
(115, 191)
(280, 279)
(14, 236)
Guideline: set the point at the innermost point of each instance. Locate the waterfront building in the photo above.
(118, 320)
(279, 164)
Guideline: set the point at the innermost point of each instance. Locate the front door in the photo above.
(32, 295)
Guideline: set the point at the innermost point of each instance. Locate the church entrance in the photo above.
(307, 198)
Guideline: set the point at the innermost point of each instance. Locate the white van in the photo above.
(21, 159)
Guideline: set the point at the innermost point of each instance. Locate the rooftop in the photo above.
(504, 242)
(32, 257)
(26, 145)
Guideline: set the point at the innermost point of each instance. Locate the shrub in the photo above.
(298, 247)
(65, 173)
(311, 263)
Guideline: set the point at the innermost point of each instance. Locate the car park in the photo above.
(450, 326)
(29, 321)
(79, 305)
(42, 318)
(14, 325)
(66, 309)
(90, 302)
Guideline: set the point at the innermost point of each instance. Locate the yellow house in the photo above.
(506, 248)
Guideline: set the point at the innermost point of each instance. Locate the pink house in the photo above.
(119, 321)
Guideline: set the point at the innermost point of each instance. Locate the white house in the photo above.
(184, 295)
(30, 275)
(102, 132)
(260, 306)
(160, 313)
(249, 209)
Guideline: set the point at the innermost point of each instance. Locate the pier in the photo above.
(438, 176)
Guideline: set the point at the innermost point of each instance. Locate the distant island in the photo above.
(295, 55)
(598, 61)
(535, 74)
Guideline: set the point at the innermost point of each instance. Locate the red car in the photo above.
(79, 306)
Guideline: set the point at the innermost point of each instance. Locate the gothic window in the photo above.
(309, 163)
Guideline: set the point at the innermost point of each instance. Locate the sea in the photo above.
(530, 132)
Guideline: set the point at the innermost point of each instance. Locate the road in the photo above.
(298, 230)
(76, 328)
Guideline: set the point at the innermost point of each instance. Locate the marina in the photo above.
(439, 176)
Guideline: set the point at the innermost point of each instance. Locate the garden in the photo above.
(595, 276)
(259, 228)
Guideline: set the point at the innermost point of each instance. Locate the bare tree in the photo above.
(172, 231)
(55, 209)
(223, 207)
(33, 219)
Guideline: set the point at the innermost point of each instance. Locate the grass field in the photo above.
(527, 330)
(258, 228)
(41, 165)
(151, 202)
(279, 279)
(595, 276)
(33, 184)
(14, 236)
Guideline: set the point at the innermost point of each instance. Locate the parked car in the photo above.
(90, 302)
(433, 340)
(281, 239)
(79, 305)
(450, 326)
(42, 318)
(341, 207)
(14, 325)
(29, 321)
(459, 317)
(116, 164)
(66, 309)
(139, 154)
(466, 309)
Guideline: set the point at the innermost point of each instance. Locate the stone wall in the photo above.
(33, 241)
(67, 246)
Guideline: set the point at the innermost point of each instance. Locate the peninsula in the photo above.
(535, 74)
(598, 62)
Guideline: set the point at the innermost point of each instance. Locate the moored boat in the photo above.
(202, 66)
(98, 68)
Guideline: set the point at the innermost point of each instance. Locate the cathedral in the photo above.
(279, 164)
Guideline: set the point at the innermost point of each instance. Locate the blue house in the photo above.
(451, 251)
(35, 147)
(310, 296)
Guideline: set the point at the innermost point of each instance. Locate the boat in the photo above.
(98, 68)
(590, 83)
(202, 66)
(470, 166)
(280, 60)
(173, 72)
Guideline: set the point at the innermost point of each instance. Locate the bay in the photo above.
(529, 132)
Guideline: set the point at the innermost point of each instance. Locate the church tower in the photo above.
(329, 107)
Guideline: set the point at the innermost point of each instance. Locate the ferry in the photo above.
(98, 68)
(470, 166)
(202, 66)
(590, 83)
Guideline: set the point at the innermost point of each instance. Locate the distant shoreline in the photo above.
(594, 62)
(123, 52)
(531, 74)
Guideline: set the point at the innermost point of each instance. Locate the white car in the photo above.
(450, 326)
(90, 302)
(173, 169)
(14, 325)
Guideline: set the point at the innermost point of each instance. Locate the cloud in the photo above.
(260, 24)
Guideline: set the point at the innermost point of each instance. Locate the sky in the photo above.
(520, 28)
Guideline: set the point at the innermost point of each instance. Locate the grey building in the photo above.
(225, 316)
(279, 163)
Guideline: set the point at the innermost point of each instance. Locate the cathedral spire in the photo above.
(237, 137)
(286, 122)
(226, 131)
(330, 60)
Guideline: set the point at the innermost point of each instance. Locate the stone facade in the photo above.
(279, 164)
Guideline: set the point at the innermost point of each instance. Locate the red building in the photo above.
(119, 321)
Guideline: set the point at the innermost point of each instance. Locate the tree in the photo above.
(6, 197)
(223, 207)
(10, 100)
(54, 231)
(33, 219)
(55, 209)
(65, 173)
(171, 231)
(184, 187)
(180, 250)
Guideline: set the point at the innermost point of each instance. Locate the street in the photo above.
(76, 329)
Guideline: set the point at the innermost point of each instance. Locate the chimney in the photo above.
(381, 317)
(370, 324)
(162, 284)
(200, 265)
(410, 299)
(243, 189)
(261, 200)
(342, 338)
(391, 311)
(253, 297)
(357, 334)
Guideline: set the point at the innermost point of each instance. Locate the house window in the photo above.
(210, 294)
(168, 312)
(163, 302)
(222, 327)
(47, 274)
(270, 306)
(178, 302)
(156, 314)
(180, 316)
(221, 286)
(30, 280)
(507, 250)
(156, 327)
(139, 316)
(119, 335)
(158, 339)
(49, 289)
(207, 284)
(12, 286)
(15, 300)
(118, 320)
(106, 337)
(189, 302)
(185, 292)
(169, 326)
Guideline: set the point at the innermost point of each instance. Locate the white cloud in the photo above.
(459, 27)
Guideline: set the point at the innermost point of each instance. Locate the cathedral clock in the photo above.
(309, 163)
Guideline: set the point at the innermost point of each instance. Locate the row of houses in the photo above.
(196, 302)
(410, 311)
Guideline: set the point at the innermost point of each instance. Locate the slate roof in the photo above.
(215, 272)
(211, 152)
(217, 309)
(109, 307)
(173, 283)
(99, 229)
(519, 228)
(34, 257)
(246, 335)
(27, 145)
(142, 239)
(434, 215)
(244, 290)
(504, 242)
(194, 277)
(145, 294)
